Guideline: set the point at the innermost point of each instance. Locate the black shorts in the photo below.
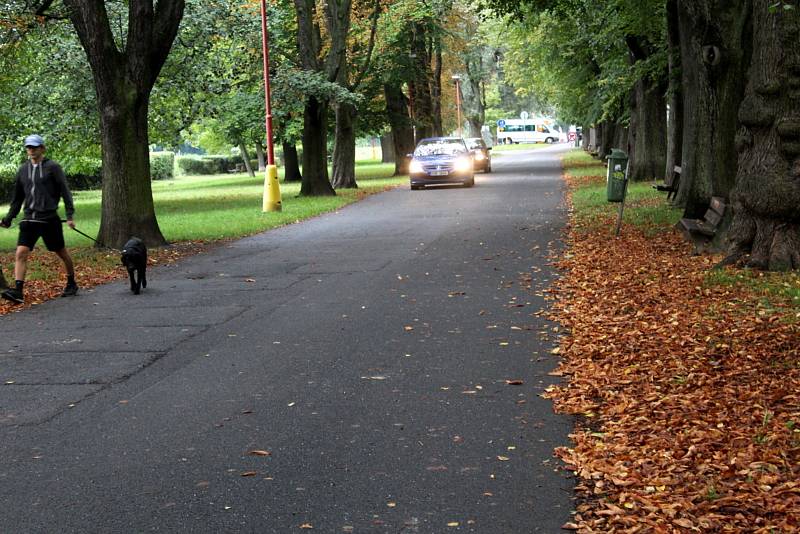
(49, 230)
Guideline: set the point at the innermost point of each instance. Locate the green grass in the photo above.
(777, 289)
(220, 206)
(645, 208)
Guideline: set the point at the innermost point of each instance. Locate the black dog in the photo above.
(134, 258)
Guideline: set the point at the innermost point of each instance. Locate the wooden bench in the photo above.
(707, 226)
(671, 183)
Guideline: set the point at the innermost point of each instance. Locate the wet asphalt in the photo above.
(345, 374)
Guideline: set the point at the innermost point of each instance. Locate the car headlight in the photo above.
(415, 167)
(479, 156)
(463, 165)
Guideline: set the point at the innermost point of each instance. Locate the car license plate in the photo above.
(438, 173)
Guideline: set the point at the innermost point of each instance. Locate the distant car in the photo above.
(441, 160)
(481, 154)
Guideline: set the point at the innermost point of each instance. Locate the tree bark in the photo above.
(387, 149)
(315, 145)
(291, 163)
(674, 91)
(344, 151)
(246, 159)
(402, 131)
(715, 42)
(127, 207)
(262, 161)
(648, 132)
(766, 221)
(123, 81)
(420, 85)
(606, 135)
(436, 86)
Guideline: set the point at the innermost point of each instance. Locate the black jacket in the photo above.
(40, 191)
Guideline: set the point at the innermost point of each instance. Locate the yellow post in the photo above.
(272, 190)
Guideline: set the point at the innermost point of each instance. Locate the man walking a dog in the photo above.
(40, 185)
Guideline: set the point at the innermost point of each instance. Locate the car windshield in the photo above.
(474, 143)
(439, 147)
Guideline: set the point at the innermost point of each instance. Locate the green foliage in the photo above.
(46, 87)
(576, 55)
(162, 165)
(7, 177)
(206, 165)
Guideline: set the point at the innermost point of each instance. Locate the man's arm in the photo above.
(69, 207)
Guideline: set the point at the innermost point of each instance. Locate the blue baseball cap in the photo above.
(34, 140)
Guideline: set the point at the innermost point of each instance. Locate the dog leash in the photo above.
(93, 239)
(82, 233)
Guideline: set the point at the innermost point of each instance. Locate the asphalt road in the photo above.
(366, 353)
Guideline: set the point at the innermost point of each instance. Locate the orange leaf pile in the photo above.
(691, 391)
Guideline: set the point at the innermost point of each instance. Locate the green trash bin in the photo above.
(616, 177)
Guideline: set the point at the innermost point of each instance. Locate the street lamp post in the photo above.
(457, 80)
(272, 192)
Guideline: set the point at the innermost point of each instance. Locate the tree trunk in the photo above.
(127, 207)
(387, 149)
(291, 163)
(123, 81)
(344, 151)
(674, 92)
(621, 137)
(715, 41)
(592, 135)
(606, 132)
(262, 161)
(436, 87)
(246, 159)
(420, 85)
(402, 131)
(648, 132)
(315, 114)
(766, 221)
(315, 150)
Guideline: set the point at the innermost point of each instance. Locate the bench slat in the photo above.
(698, 226)
(712, 217)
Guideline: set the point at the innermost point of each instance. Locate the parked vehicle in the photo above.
(481, 154)
(441, 160)
(536, 130)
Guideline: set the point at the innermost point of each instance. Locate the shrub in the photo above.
(207, 164)
(84, 182)
(7, 176)
(83, 173)
(162, 165)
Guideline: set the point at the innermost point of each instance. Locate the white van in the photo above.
(528, 131)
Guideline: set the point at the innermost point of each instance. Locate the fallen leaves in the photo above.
(689, 390)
